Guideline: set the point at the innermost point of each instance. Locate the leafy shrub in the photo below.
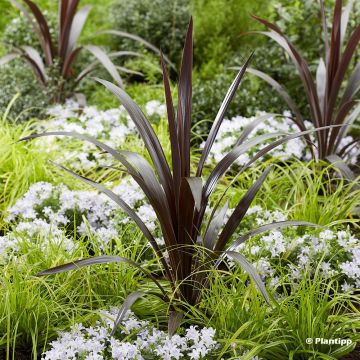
(17, 78)
(17, 34)
(147, 68)
(208, 88)
(218, 25)
(208, 95)
(161, 22)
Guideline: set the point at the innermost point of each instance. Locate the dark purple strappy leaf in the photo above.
(239, 212)
(220, 115)
(125, 307)
(249, 268)
(45, 38)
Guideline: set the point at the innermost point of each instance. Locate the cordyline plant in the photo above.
(195, 243)
(54, 68)
(331, 102)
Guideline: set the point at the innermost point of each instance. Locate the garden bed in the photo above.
(150, 209)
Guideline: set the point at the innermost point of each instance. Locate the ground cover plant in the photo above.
(165, 202)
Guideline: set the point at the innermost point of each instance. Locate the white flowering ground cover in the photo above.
(51, 211)
(135, 340)
(114, 127)
(231, 129)
(47, 210)
(332, 253)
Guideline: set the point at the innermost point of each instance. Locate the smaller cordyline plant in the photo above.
(194, 242)
(54, 68)
(329, 105)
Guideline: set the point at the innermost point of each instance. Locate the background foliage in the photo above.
(151, 19)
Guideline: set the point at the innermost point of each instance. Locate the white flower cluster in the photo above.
(114, 126)
(231, 129)
(334, 252)
(155, 107)
(41, 233)
(137, 340)
(46, 209)
(8, 244)
(111, 127)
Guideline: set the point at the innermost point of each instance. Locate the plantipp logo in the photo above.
(324, 341)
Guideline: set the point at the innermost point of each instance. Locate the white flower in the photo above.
(24, 207)
(130, 192)
(274, 242)
(327, 235)
(347, 287)
(8, 244)
(192, 334)
(155, 107)
(264, 268)
(274, 281)
(351, 269)
(326, 269)
(148, 216)
(124, 351)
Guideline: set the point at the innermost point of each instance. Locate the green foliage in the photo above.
(33, 310)
(7, 13)
(147, 67)
(17, 33)
(140, 92)
(218, 26)
(161, 22)
(315, 309)
(22, 164)
(311, 192)
(209, 93)
(15, 78)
